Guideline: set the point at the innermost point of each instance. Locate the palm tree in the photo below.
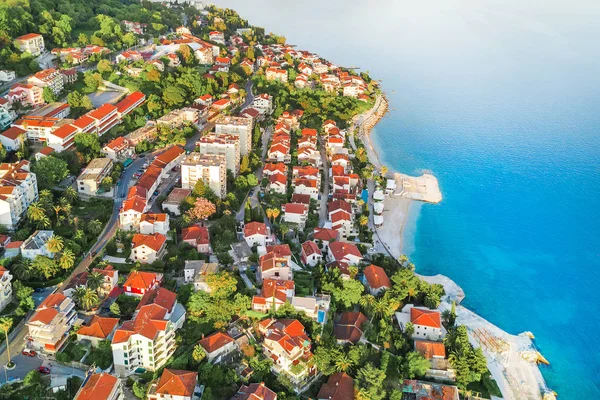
(95, 227)
(70, 194)
(403, 259)
(367, 302)
(88, 299)
(363, 220)
(44, 222)
(67, 259)
(182, 221)
(384, 170)
(275, 213)
(35, 212)
(269, 213)
(57, 209)
(46, 198)
(55, 244)
(343, 363)
(95, 280)
(411, 291)
(353, 271)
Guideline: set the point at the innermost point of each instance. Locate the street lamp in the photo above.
(10, 363)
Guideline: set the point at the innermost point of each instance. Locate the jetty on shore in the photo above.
(423, 188)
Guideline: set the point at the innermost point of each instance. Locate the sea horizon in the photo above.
(499, 100)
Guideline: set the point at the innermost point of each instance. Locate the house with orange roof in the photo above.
(27, 95)
(275, 169)
(118, 149)
(198, 237)
(257, 233)
(435, 353)
(101, 386)
(148, 340)
(98, 329)
(174, 200)
(421, 390)
(273, 266)
(13, 138)
(349, 327)
(255, 391)
(105, 117)
(339, 386)
(48, 327)
(218, 346)
(151, 223)
(18, 189)
(169, 159)
(311, 254)
(287, 344)
(306, 186)
(50, 78)
(140, 282)
(277, 184)
(274, 293)
(276, 74)
(427, 323)
(111, 279)
(175, 384)
(295, 213)
(133, 207)
(325, 236)
(32, 43)
(376, 280)
(344, 252)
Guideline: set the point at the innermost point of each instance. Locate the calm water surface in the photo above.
(501, 100)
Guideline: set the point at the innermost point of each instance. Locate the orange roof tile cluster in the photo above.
(255, 391)
(154, 242)
(376, 277)
(295, 208)
(13, 133)
(142, 279)
(118, 144)
(99, 327)
(160, 296)
(48, 309)
(289, 334)
(348, 328)
(341, 250)
(430, 349)
(153, 218)
(134, 99)
(255, 228)
(309, 248)
(168, 156)
(215, 341)
(175, 382)
(196, 233)
(97, 387)
(429, 318)
(280, 250)
(28, 36)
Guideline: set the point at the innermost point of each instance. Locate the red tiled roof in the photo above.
(153, 218)
(255, 391)
(215, 341)
(175, 382)
(278, 178)
(430, 349)
(341, 249)
(155, 241)
(83, 122)
(99, 327)
(65, 131)
(430, 318)
(141, 279)
(376, 277)
(325, 234)
(28, 36)
(197, 233)
(309, 248)
(349, 326)
(301, 198)
(97, 387)
(280, 250)
(254, 228)
(160, 296)
(335, 205)
(339, 386)
(13, 132)
(117, 143)
(168, 156)
(102, 111)
(296, 208)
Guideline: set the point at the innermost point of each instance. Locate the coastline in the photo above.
(512, 359)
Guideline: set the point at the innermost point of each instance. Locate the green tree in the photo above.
(74, 99)
(104, 66)
(199, 353)
(67, 259)
(50, 171)
(44, 266)
(48, 95)
(115, 309)
(95, 280)
(35, 212)
(32, 378)
(88, 144)
(244, 165)
(86, 103)
(140, 390)
(416, 365)
(221, 284)
(370, 382)
(174, 96)
(71, 194)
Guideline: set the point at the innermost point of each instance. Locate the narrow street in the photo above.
(326, 183)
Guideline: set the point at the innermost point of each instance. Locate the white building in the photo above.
(32, 43)
(5, 287)
(154, 223)
(49, 326)
(101, 386)
(296, 213)
(175, 385)
(50, 77)
(148, 340)
(427, 323)
(19, 189)
(6, 75)
(146, 249)
(264, 103)
(227, 145)
(13, 138)
(238, 126)
(37, 245)
(218, 346)
(89, 181)
(173, 202)
(118, 149)
(257, 233)
(210, 168)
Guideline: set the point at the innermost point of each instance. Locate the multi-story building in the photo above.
(275, 74)
(237, 126)
(50, 77)
(218, 347)
(148, 248)
(151, 223)
(264, 103)
(148, 340)
(105, 117)
(177, 118)
(13, 138)
(32, 43)
(210, 168)
(5, 287)
(196, 272)
(296, 213)
(228, 145)
(139, 283)
(175, 385)
(130, 103)
(101, 386)
(50, 324)
(286, 342)
(118, 149)
(146, 132)
(7, 75)
(37, 245)
(133, 207)
(18, 187)
(7, 114)
(257, 233)
(27, 95)
(89, 181)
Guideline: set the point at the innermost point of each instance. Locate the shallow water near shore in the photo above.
(500, 99)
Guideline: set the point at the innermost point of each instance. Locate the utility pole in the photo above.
(7, 347)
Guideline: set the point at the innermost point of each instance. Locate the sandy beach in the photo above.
(511, 358)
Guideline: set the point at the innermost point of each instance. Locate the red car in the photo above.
(29, 353)
(44, 370)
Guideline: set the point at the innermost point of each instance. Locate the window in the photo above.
(126, 362)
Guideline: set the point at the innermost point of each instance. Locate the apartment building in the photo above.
(5, 287)
(50, 77)
(148, 340)
(13, 138)
(210, 168)
(118, 149)
(133, 207)
(18, 187)
(147, 132)
(27, 95)
(89, 181)
(7, 114)
(177, 118)
(151, 223)
(105, 117)
(130, 103)
(238, 126)
(146, 249)
(32, 43)
(227, 145)
(48, 328)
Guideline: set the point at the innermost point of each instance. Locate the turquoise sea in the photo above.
(500, 99)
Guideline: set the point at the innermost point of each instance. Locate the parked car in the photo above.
(44, 370)
(28, 353)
